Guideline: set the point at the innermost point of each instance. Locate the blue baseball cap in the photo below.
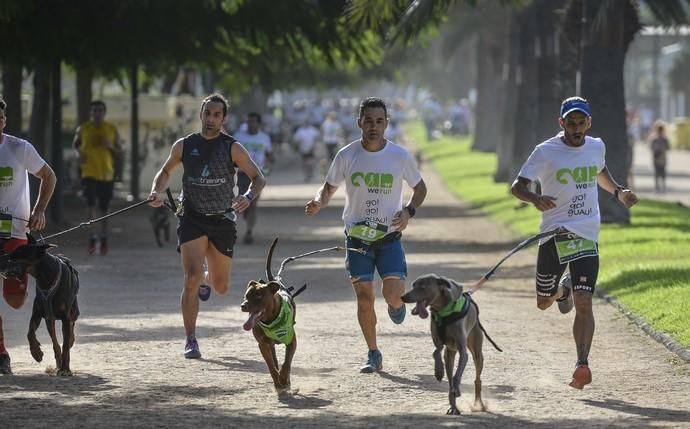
(575, 104)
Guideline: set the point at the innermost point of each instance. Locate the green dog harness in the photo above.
(282, 328)
(454, 311)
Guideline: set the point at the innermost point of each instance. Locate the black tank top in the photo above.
(208, 179)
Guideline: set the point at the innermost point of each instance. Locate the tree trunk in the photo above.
(491, 84)
(490, 90)
(602, 85)
(56, 141)
(134, 154)
(84, 93)
(12, 94)
(40, 109)
(511, 73)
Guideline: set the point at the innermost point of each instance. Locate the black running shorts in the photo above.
(221, 232)
(583, 271)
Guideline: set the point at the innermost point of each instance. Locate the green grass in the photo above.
(644, 265)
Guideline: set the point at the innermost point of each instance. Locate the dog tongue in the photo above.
(249, 324)
(421, 310)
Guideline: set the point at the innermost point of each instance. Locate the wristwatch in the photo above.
(411, 210)
(618, 190)
(249, 195)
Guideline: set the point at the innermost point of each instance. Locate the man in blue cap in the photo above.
(569, 166)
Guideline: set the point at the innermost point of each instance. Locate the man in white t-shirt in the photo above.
(17, 157)
(258, 144)
(569, 167)
(306, 136)
(373, 170)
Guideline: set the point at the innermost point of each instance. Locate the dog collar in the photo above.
(282, 328)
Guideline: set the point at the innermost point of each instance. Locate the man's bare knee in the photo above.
(221, 288)
(192, 281)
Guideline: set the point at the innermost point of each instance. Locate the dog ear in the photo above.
(454, 288)
(273, 287)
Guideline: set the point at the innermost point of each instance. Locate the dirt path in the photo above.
(130, 371)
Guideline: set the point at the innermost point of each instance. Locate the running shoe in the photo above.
(374, 362)
(565, 303)
(581, 377)
(191, 349)
(397, 315)
(204, 292)
(204, 289)
(5, 367)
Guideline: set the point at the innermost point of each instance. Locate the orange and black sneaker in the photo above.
(581, 377)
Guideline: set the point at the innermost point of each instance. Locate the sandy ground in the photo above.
(129, 369)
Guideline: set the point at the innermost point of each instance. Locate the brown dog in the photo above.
(272, 318)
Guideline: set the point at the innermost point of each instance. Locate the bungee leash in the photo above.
(522, 245)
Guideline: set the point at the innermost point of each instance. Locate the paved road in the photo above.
(129, 371)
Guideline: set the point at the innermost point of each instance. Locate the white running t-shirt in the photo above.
(17, 156)
(256, 144)
(569, 174)
(373, 181)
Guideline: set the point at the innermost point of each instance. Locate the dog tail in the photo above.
(484, 330)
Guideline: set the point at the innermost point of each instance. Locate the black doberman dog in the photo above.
(57, 285)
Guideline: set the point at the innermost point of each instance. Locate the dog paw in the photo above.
(453, 411)
(64, 373)
(438, 375)
(478, 405)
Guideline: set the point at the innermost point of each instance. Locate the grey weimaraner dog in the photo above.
(455, 325)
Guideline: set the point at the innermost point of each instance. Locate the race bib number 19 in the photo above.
(5, 225)
(368, 231)
(571, 247)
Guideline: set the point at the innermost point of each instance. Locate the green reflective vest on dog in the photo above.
(282, 328)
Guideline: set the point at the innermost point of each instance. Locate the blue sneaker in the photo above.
(204, 292)
(374, 362)
(191, 349)
(204, 289)
(397, 315)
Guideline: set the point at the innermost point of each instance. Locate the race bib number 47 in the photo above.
(571, 247)
(5, 225)
(368, 231)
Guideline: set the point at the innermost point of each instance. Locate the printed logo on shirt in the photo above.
(205, 172)
(376, 183)
(6, 176)
(194, 152)
(583, 177)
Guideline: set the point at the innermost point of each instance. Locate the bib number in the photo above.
(571, 247)
(368, 232)
(5, 225)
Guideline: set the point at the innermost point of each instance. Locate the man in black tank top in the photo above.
(206, 230)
